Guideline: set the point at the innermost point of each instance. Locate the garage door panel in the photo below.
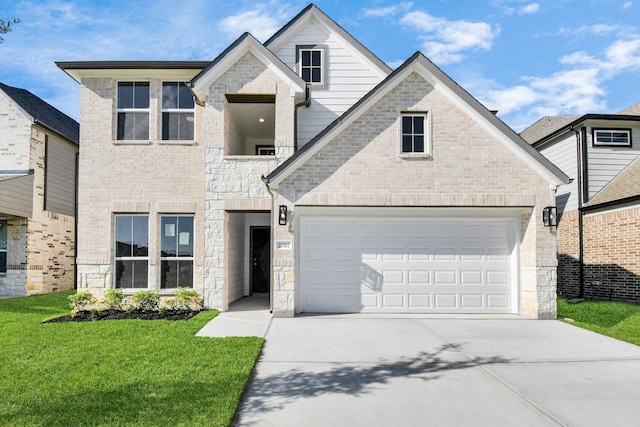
(406, 265)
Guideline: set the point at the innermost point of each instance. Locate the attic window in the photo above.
(311, 64)
(413, 133)
(612, 137)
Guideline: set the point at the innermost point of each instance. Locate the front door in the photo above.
(260, 259)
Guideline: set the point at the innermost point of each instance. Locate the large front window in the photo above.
(176, 251)
(3, 245)
(132, 251)
(177, 111)
(133, 111)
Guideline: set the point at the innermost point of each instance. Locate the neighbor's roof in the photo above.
(544, 127)
(624, 186)
(428, 70)
(43, 113)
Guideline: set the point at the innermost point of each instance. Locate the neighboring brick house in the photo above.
(599, 211)
(386, 192)
(38, 157)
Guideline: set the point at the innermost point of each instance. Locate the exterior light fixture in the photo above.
(282, 216)
(261, 119)
(550, 216)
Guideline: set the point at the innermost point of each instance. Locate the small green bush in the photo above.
(146, 300)
(80, 301)
(114, 299)
(184, 299)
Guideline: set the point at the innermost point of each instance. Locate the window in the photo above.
(413, 133)
(3, 245)
(311, 60)
(617, 137)
(176, 251)
(265, 150)
(132, 251)
(177, 111)
(133, 111)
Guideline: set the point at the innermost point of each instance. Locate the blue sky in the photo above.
(526, 59)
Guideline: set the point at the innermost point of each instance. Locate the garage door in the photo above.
(407, 264)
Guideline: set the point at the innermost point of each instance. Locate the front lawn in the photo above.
(614, 319)
(124, 372)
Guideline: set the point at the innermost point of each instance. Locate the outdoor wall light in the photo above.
(550, 216)
(282, 216)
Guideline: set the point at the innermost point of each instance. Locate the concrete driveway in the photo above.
(352, 371)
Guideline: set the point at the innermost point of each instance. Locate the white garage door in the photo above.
(408, 264)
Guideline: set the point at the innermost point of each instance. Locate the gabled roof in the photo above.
(634, 109)
(456, 94)
(245, 43)
(310, 12)
(544, 127)
(623, 187)
(44, 114)
(579, 120)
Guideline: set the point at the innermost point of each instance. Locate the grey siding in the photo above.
(16, 196)
(563, 153)
(604, 163)
(60, 176)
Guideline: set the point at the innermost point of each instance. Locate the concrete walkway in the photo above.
(353, 371)
(247, 317)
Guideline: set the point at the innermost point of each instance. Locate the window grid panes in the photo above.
(4, 235)
(177, 111)
(311, 65)
(131, 251)
(612, 137)
(413, 133)
(176, 251)
(133, 111)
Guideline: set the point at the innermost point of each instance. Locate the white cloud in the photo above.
(627, 5)
(262, 22)
(388, 11)
(529, 9)
(445, 41)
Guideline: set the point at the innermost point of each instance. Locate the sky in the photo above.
(526, 59)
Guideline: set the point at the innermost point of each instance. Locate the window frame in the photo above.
(6, 249)
(425, 135)
(594, 136)
(117, 258)
(177, 110)
(132, 110)
(177, 257)
(323, 83)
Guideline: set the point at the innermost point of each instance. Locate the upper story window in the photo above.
(133, 111)
(413, 133)
(177, 111)
(311, 62)
(614, 137)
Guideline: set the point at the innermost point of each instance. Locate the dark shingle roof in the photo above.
(623, 186)
(43, 113)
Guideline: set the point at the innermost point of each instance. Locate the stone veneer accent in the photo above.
(361, 167)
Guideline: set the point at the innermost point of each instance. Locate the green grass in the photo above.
(124, 372)
(614, 319)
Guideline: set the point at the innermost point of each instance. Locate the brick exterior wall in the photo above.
(568, 254)
(361, 167)
(40, 255)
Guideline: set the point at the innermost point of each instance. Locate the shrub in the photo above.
(114, 299)
(184, 299)
(146, 300)
(80, 301)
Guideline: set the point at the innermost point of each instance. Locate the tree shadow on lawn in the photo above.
(277, 390)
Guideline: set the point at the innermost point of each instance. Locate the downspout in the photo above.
(305, 103)
(266, 183)
(580, 213)
(75, 227)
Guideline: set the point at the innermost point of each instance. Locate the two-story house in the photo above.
(305, 169)
(598, 210)
(38, 157)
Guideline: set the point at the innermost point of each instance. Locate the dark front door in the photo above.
(260, 259)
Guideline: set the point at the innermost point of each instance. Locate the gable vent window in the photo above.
(133, 111)
(413, 133)
(612, 137)
(177, 111)
(311, 62)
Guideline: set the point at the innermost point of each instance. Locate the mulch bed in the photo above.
(107, 314)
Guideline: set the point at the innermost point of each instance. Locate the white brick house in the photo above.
(306, 169)
(38, 150)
